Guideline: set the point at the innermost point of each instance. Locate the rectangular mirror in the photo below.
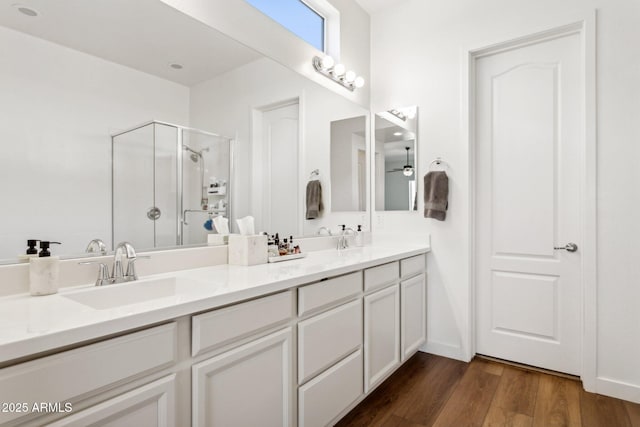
(206, 110)
(349, 164)
(396, 172)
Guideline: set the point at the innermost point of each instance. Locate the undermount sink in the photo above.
(128, 293)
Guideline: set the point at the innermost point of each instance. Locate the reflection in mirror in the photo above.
(348, 164)
(168, 183)
(395, 159)
(80, 72)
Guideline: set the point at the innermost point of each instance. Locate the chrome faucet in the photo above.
(96, 245)
(345, 232)
(324, 231)
(117, 275)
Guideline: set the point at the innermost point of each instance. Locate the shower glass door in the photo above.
(145, 200)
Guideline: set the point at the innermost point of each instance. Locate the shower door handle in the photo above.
(154, 213)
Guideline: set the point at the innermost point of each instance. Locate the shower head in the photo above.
(195, 155)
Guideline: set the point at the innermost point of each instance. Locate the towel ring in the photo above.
(314, 174)
(438, 162)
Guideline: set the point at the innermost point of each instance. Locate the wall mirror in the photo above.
(349, 164)
(186, 122)
(396, 173)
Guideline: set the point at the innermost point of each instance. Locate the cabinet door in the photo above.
(247, 386)
(413, 302)
(150, 405)
(381, 335)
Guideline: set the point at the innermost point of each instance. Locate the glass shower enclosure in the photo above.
(168, 182)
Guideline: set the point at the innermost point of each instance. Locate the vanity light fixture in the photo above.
(337, 72)
(397, 134)
(408, 169)
(399, 114)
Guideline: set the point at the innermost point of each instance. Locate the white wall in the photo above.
(224, 105)
(426, 41)
(247, 25)
(58, 108)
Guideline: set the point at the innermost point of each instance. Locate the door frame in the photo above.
(255, 137)
(586, 28)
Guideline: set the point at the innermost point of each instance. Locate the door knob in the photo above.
(569, 247)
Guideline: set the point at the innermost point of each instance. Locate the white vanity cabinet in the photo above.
(248, 380)
(301, 357)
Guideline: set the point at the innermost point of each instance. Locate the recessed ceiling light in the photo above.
(176, 66)
(26, 10)
(397, 133)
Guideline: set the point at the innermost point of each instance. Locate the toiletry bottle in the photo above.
(284, 249)
(272, 247)
(359, 237)
(32, 252)
(290, 248)
(44, 271)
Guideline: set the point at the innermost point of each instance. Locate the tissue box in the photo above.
(247, 250)
(217, 239)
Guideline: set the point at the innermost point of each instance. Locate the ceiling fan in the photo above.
(407, 170)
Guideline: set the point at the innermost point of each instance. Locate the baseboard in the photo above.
(445, 350)
(619, 389)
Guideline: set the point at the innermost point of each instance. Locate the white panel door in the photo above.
(247, 386)
(280, 180)
(529, 139)
(381, 335)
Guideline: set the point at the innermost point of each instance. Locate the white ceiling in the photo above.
(372, 6)
(145, 35)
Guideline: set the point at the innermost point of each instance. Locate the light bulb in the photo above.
(397, 134)
(327, 62)
(407, 171)
(350, 76)
(359, 82)
(339, 70)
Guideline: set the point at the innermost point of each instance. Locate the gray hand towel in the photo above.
(314, 199)
(436, 193)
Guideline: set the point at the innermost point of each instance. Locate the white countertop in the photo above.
(31, 325)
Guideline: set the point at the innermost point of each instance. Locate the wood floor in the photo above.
(435, 391)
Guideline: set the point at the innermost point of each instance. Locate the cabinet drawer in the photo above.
(328, 337)
(323, 294)
(412, 266)
(378, 277)
(70, 375)
(325, 397)
(220, 327)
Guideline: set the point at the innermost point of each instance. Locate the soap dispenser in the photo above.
(32, 252)
(44, 271)
(359, 237)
